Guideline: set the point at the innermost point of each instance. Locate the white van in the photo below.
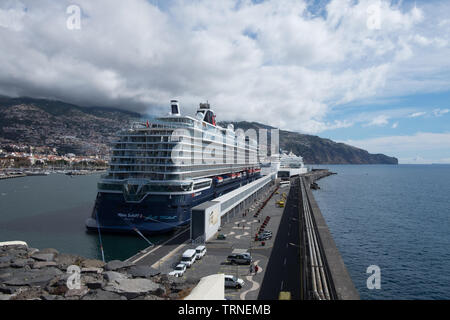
(189, 257)
(201, 251)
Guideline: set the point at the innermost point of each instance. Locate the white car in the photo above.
(179, 270)
(200, 251)
(188, 258)
(233, 282)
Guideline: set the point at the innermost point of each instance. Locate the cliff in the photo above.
(316, 150)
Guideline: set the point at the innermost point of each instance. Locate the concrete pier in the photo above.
(336, 276)
(12, 176)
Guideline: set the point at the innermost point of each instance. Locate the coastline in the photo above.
(31, 274)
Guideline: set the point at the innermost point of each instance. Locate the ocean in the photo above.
(394, 217)
(50, 211)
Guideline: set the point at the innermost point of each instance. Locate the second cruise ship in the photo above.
(160, 169)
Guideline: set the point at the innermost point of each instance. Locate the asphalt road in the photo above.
(283, 271)
(154, 254)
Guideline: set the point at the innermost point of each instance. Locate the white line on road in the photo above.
(255, 285)
(156, 248)
(242, 235)
(171, 253)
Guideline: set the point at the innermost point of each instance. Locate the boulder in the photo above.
(32, 251)
(102, 295)
(6, 259)
(76, 293)
(33, 293)
(21, 263)
(44, 264)
(65, 260)
(92, 263)
(4, 297)
(117, 265)
(112, 276)
(93, 281)
(132, 288)
(16, 253)
(33, 277)
(43, 256)
(5, 274)
(142, 271)
(91, 270)
(7, 290)
(50, 297)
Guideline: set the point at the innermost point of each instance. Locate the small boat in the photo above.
(37, 173)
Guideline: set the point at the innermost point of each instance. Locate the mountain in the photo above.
(316, 150)
(88, 130)
(66, 127)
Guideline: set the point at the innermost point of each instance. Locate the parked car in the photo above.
(189, 257)
(233, 282)
(179, 270)
(264, 236)
(242, 258)
(201, 251)
(221, 237)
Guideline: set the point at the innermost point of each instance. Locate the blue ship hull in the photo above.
(156, 213)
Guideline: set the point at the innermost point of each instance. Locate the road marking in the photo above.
(242, 235)
(245, 228)
(156, 248)
(171, 253)
(255, 285)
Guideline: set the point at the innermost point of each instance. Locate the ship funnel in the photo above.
(175, 108)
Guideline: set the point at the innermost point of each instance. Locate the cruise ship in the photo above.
(291, 165)
(160, 169)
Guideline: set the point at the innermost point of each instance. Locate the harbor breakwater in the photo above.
(328, 276)
(31, 274)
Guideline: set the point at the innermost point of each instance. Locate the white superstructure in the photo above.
(172, 153)
(291, 165)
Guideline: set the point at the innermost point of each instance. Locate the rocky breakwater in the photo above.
(31, 274)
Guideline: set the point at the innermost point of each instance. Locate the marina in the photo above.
(12, 176)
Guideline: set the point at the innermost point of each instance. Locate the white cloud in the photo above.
(291, 71)
(417, 114)
(434, 147)
(440, 112)
(380, 120)
(395, 125)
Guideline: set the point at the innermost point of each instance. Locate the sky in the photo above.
(371, 73)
